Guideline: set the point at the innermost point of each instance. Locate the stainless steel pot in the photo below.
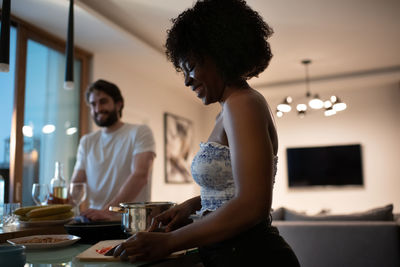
(137, 216)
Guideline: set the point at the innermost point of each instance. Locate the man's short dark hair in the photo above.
(108, 88)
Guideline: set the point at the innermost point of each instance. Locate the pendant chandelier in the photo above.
(330, 106)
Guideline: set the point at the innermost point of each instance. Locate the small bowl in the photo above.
(12, 255)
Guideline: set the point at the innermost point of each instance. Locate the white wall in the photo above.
(146, 100)
(372, 120)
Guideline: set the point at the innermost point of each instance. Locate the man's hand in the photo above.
(99, 215)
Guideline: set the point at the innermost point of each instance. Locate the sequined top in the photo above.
(212, 170)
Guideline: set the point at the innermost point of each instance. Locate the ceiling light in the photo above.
(71, 130)
(339, 105)
(27, 130)
(285, 105)
(48, 128)
(329, 112)
(316, 102)
(330, 107)
(327, 104)
(301, 107)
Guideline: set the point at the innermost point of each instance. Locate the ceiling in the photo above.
(347, 40)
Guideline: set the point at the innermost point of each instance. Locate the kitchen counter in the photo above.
(66, 257)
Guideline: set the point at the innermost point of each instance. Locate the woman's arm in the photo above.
(245, 123)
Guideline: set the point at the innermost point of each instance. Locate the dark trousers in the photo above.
(259, 246)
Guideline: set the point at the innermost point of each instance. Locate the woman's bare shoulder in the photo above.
(247, 101)
(248, 109)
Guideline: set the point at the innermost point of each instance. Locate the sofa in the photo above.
(365, 239)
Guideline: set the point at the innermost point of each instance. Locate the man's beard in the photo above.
(110, 120)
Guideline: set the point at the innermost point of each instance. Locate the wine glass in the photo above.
(77, 193)
(40, 193)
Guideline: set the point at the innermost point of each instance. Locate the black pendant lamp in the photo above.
(69, 51)
(5, 37)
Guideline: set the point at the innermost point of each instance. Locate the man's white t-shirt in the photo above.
(108, 160)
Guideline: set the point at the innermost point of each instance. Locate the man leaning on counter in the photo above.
(116, 161)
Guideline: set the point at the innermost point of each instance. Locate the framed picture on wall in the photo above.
(178, 139)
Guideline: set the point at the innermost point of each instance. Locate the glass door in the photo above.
(51, 120)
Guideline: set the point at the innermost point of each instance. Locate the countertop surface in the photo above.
(66, 256)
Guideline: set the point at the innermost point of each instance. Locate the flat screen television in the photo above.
(325, 166)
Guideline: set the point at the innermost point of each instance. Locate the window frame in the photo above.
(25, 32)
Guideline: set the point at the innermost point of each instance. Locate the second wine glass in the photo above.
(77, 193)
(40, 193)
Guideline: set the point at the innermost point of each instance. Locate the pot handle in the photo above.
(116, 209)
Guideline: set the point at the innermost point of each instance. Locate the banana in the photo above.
(49, 210)
(60, 216)
(24, 210)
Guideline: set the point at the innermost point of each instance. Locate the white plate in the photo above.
(43, 223)
(20, 241)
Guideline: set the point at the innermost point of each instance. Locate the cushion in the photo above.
(278, 214)
(378, 214)
(396, 217)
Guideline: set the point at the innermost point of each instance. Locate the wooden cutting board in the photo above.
(91, 255)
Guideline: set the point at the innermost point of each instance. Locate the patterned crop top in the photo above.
(212, 170)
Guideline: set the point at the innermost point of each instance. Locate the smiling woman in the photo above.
(201, 75)
(219, 45)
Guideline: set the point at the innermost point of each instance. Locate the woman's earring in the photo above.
(191, 74)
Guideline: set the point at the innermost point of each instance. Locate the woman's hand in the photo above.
(172, 218)
(144, 246)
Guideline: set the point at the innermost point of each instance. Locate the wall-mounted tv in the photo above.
(325, 166)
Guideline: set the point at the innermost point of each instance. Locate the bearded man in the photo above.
(116, 161)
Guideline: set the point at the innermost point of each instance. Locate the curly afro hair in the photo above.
(228, 31)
